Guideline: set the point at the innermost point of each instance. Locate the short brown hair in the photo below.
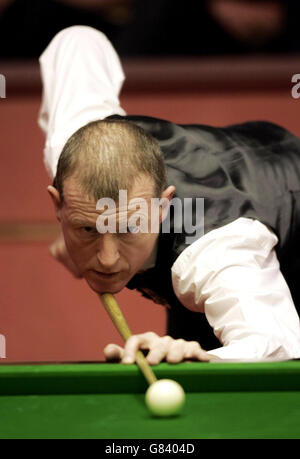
(107, 155)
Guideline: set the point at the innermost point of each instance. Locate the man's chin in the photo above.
(107, 287)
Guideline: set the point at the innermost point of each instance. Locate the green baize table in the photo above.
(105, 400)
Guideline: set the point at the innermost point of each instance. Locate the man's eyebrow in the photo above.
(82, 222)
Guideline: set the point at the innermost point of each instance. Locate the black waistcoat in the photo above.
(250, 170)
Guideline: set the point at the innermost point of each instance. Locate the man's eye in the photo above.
(133, 229)
(88, 229)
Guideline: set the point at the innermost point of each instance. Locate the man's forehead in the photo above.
(75, 197)
(74, 192)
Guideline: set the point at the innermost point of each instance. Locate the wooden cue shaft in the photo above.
(120, 322)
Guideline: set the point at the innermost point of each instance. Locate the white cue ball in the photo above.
(165, 397)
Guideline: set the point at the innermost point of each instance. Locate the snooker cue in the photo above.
(120, 322)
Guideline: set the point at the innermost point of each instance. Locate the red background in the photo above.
(46, 314)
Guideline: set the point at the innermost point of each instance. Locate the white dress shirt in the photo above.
(82, 77)
(232, 273)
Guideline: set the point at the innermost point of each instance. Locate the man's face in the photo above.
(107, 261)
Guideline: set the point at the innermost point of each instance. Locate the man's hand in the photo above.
(160, 348)
(59, 251)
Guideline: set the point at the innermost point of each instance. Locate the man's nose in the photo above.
(108, 251)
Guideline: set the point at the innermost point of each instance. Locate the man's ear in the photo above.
(55, 197)
(167, 194)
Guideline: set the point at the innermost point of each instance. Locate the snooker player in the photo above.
(233, 290)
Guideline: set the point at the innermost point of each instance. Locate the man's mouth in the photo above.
(105, 275)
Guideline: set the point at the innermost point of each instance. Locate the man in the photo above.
(221, 283)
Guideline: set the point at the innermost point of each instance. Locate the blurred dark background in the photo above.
(155, 27)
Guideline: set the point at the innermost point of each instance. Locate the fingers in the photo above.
(177, 350)
(160, 348)
(163, 348)
(180, 350)
(136, 342)
(194, 351)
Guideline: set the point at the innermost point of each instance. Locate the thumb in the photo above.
(113, 353)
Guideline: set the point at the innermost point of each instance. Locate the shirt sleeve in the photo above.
(82, 76)
(232, 274)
